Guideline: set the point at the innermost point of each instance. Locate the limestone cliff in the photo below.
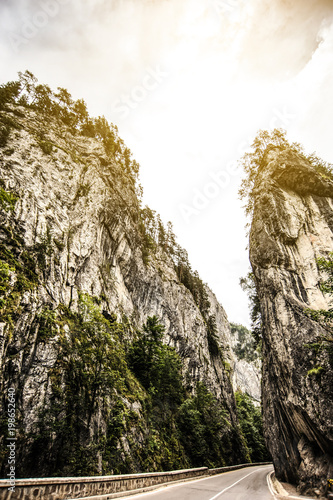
(291, 228)
(246, 366)
(70, 225)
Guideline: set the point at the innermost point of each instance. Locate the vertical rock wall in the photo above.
(292, 226)
(75, 211)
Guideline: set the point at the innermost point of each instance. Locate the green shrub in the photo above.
(46, 147)
(8, 200)
(250, 420)
(317, 370)
(246, 346)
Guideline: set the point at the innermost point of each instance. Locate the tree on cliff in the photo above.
(254, 160)
(323, 316)
(248, 285)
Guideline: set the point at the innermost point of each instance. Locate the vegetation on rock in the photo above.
(250, 419)
(108, 397)
(249, 286)
(156, 236)
(323, 316)
(26, 92)
(246, 346)
(253, 161)
(146, 420)
(288, 197)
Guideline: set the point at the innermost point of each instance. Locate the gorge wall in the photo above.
(75, 257)
(292, 226)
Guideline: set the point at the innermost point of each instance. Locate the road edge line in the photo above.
(232, 485)
(141, 491)
(283, 493)
(271, 488)
(155, 487)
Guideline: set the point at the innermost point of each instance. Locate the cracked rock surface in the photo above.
(292, 226)
(80, 206)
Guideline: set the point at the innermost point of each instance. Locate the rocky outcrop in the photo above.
(246, 365)
(75, 209)
(292, 226)
(246, 378)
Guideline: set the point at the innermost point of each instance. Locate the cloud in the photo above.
(281, 36)
(230, 65)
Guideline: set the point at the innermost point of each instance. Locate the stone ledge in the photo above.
(71, 488)
(220, 470)
(282, 494)
(103, 487)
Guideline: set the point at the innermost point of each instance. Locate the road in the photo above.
(243, 484)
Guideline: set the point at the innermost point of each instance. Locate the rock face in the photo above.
(77, 208)
(293, 226)
(246, 366)
(247, 378)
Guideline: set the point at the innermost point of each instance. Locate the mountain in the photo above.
(246, 373)
(292, 229)
(118, 355)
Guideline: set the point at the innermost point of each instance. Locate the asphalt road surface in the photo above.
(244, 484)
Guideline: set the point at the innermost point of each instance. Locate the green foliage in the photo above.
(212, 336)
(8, 200)
(326, 265)
(6, 125)
(250, 420)
(60, 105)
(97, 376)
(4, 135)
(90, 375)
(5, 277)
(47, 327)
(43, 250)
(196, 425)
(317, 370)
(254, 161)
(46, 147)
(92, 356)
(192, 281)
(155, 236)
(324, 168)
(95, 379)
(8, 93)
(246, 347)
(156, 366)
(18, 270)
(27, 92)
(322, 316)
(249, 286)
(206, 433)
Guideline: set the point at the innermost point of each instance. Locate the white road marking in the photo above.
(301, 498)
(231, 486)
(166, 486)
(270, 484)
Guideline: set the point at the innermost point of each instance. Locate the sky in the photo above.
(188, 83)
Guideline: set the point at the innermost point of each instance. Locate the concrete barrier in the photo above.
(220, 470)
(63, 488)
